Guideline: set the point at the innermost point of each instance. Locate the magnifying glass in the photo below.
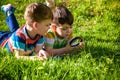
(75, 41)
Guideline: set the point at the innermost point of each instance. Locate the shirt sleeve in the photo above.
(71, 36)
(17, 43)
(40, 41)
(39, 44)
(49, 39)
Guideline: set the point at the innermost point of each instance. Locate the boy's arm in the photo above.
(24, 55)
(63, 51)
(19, 54)
(60, 51)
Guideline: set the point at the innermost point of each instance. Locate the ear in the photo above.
(35, 25)
(53, 28)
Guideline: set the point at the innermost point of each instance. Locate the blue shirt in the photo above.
(20, 40)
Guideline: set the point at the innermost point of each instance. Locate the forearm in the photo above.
(59, 52)
(19, 56)
(28, 57)
(63, 51)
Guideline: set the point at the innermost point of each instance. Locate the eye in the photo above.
(70, 27)
(64, 28)
(49, 24)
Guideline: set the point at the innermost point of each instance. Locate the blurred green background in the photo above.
(97, 21)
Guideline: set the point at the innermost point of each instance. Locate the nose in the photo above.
(69, 30)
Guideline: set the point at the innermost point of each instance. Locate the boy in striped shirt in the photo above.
(28, 39)
(60, 33)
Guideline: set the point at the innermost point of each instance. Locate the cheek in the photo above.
(59, 31)
(62, 33)
(47, 28)
(70, 30)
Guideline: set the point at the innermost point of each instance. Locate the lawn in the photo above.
(97, 21)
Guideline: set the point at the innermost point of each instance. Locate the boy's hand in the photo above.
(23, 53)
(81, 45)
(43, 54)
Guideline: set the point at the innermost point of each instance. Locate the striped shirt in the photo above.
(53, 40)
(20, 40)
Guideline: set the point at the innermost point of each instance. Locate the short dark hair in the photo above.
(62, 15)
(37, 12)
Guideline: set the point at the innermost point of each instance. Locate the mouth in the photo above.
(67, 34)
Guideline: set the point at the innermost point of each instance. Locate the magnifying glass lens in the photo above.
(75, 41)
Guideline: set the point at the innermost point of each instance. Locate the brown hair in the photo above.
(37, 12)
(62, 15)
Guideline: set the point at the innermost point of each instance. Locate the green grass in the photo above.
(97, 21)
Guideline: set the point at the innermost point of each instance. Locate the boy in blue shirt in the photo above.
(28, 39)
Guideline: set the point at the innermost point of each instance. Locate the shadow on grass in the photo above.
(97, 50)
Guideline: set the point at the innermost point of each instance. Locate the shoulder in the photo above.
(40, 41)
(71, 36)
(18, 36)
(50, 34)
(21, 32)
